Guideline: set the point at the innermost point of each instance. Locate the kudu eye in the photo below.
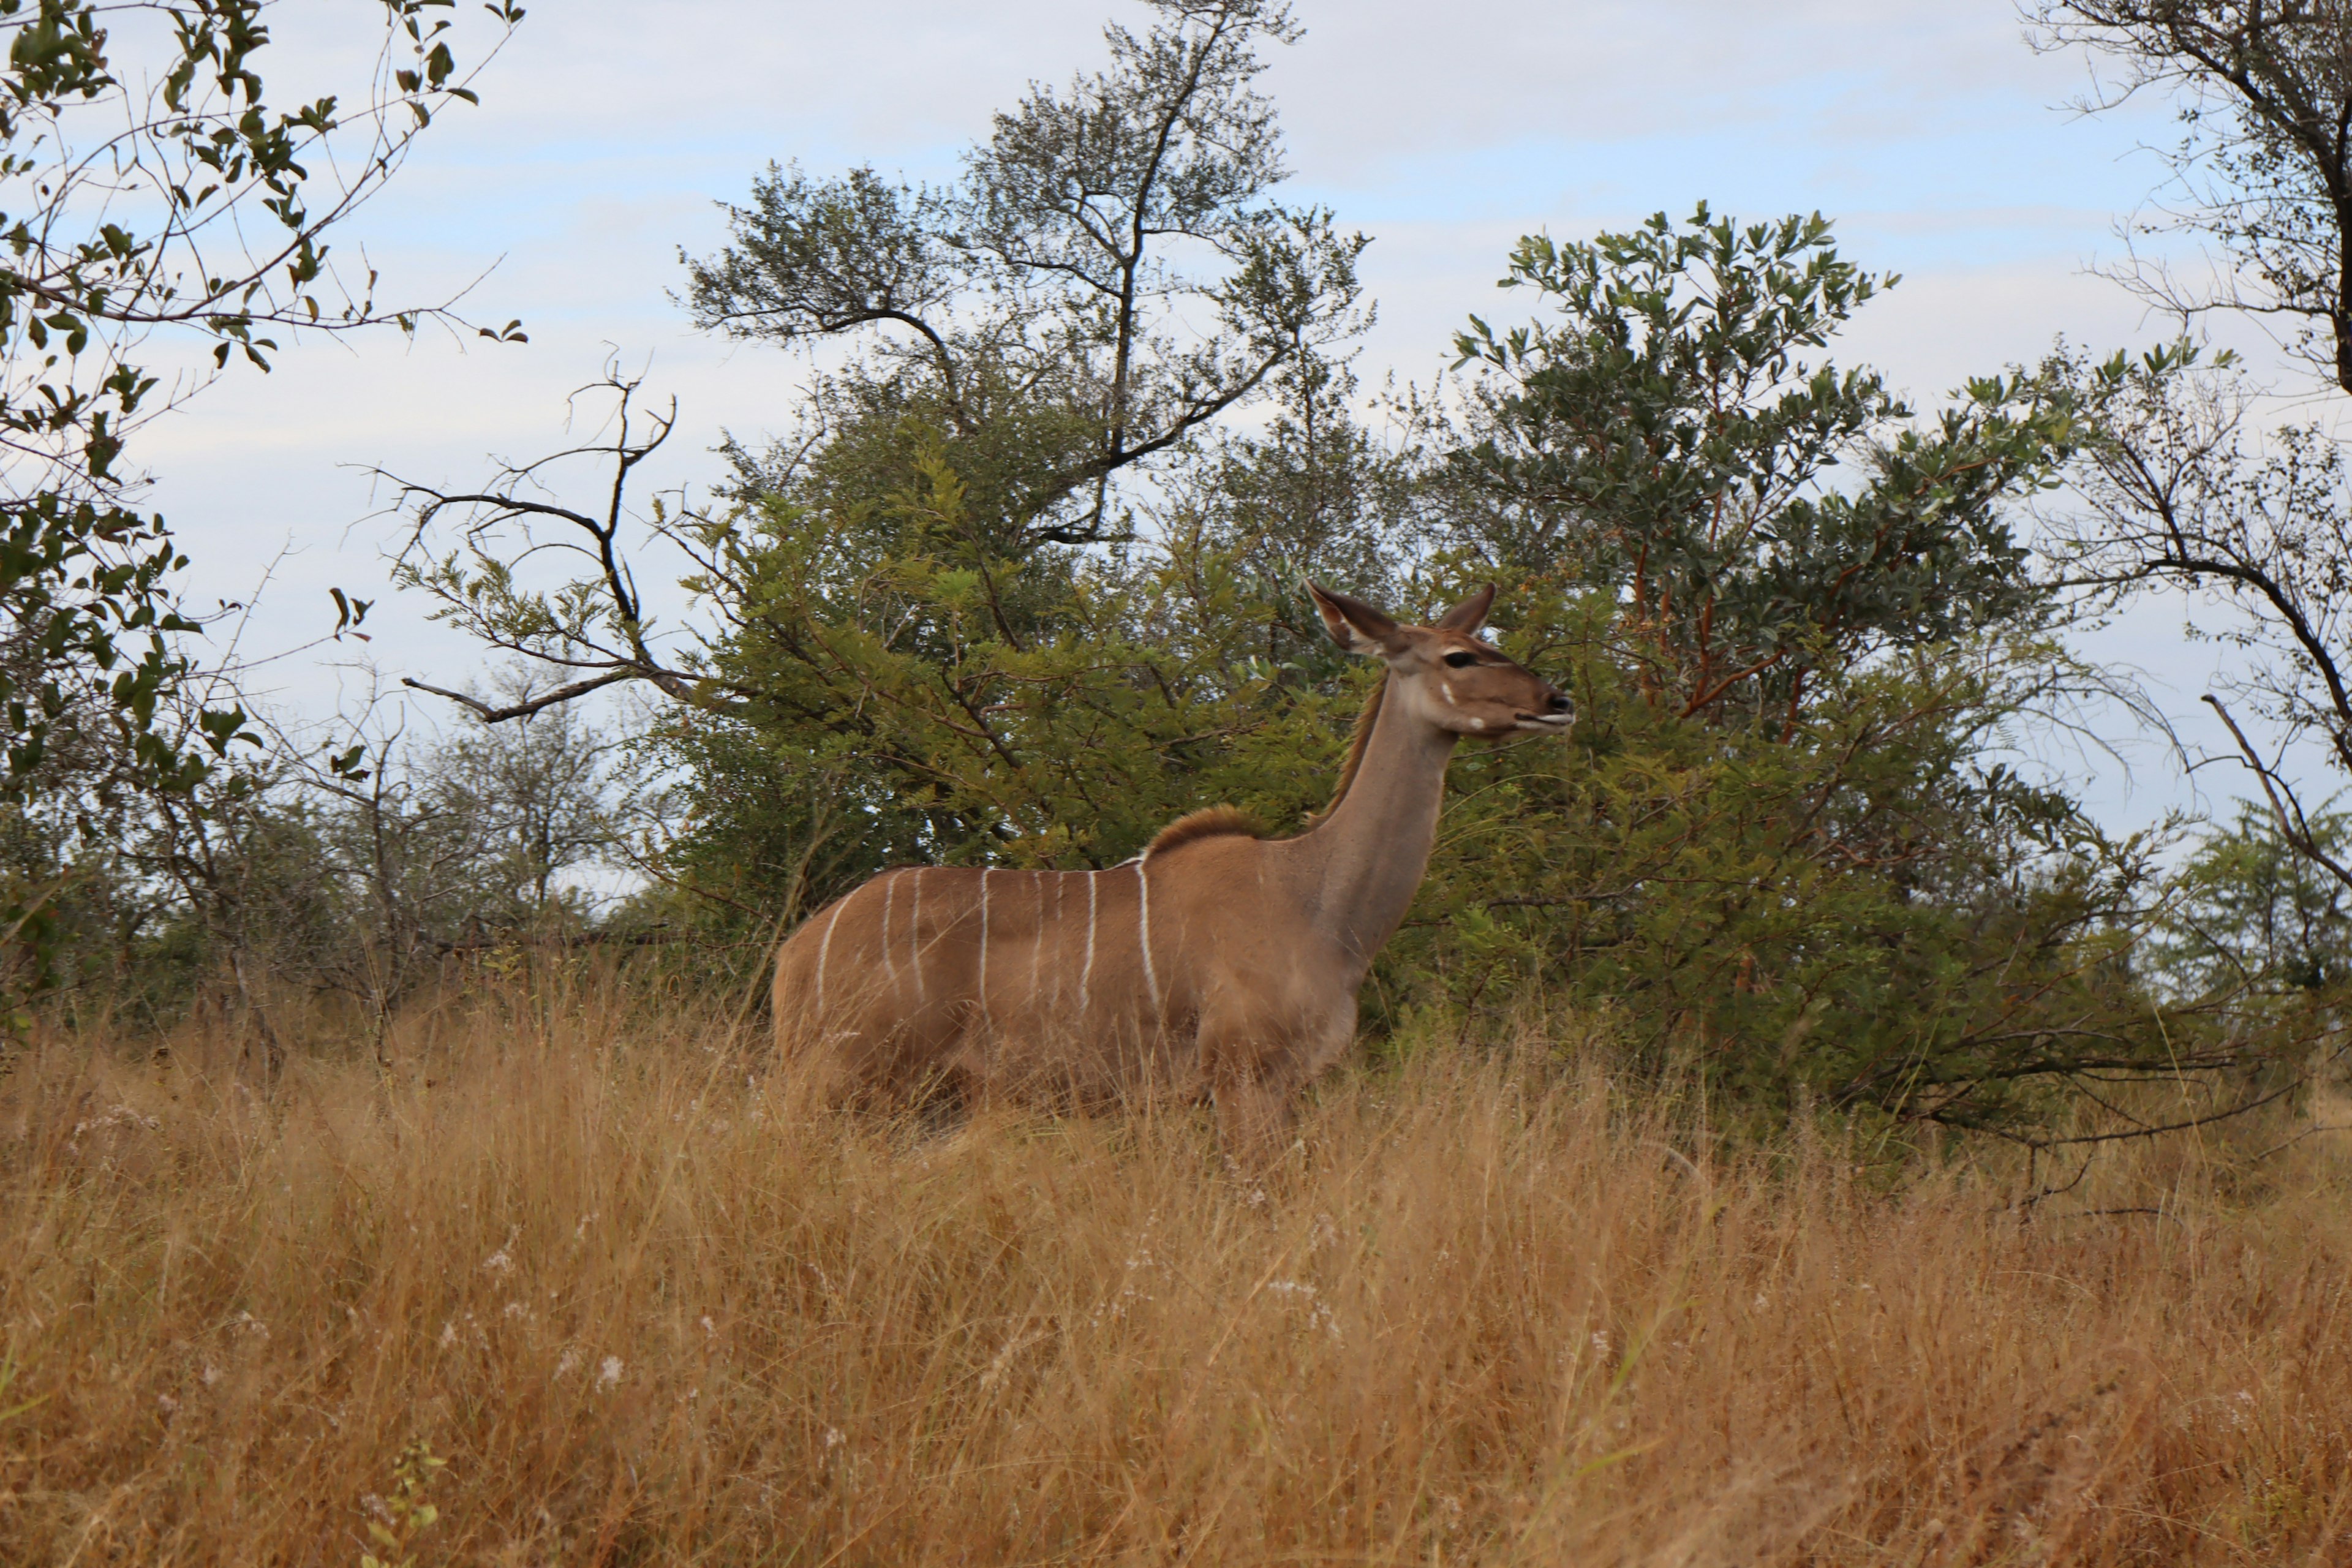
(1461, 660)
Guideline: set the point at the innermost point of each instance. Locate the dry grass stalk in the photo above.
(1496, 1316)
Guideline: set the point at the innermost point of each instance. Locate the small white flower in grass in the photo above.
(833, 1437)
(1600, 1342)
(253, 1325)
(1319, 1311)
(609, 1372)
(167, 1403)
(568, 1363)
(516, 1309)
(448, 1335)
(709, 1329)
(498, 1262)
(212, 1375)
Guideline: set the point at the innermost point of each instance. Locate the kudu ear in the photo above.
(1356, 625)
(1470, 613)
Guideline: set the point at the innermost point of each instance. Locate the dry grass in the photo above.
(1494, 1317)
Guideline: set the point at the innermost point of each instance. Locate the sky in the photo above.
(1942, 145)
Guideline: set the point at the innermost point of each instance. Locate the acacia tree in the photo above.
(1055, 293)
(937, 602)
(152, 187)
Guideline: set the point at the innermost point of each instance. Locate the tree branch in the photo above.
(531, 705)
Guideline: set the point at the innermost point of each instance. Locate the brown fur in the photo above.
(1209, 822)
(1230, 969)
(1356, 745)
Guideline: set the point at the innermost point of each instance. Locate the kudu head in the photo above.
(1443, 676)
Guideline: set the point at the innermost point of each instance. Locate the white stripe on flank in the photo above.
(1036, 938)
(1143, 937)
(889, 897)
(984, 948)
(824, 947)
(915, 937)
(1093, 887)
(1061, 886)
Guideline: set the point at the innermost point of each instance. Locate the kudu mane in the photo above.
(1357, 743)
(1230, 821)
(1209, 822)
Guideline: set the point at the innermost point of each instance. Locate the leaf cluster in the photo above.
(1882, 909)
(1667, 442)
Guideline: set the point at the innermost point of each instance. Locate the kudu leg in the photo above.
(1253, 1083)
(1254, 1120)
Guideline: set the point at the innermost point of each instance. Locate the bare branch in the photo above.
(500, 714)
(2294, 826)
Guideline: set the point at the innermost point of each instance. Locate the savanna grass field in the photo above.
(565, 1284)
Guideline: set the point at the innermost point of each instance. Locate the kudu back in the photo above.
(1216, 961)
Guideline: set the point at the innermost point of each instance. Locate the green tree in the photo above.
(957, 613)
(1790, 845)
(1874, 906)
(1110, 275)
(2252, 913)
(1665, 440)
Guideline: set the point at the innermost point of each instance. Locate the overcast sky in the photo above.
(1927, 129)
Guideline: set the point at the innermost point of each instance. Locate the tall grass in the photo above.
(1492, 1313)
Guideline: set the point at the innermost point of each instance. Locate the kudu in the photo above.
(1214, 960)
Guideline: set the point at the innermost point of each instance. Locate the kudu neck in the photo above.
(1365, 860)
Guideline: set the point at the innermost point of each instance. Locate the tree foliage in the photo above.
(2250, 912)
(1794, 844)
(1110, 275)
(151, 183)
(935, 629)
(1666, 440)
